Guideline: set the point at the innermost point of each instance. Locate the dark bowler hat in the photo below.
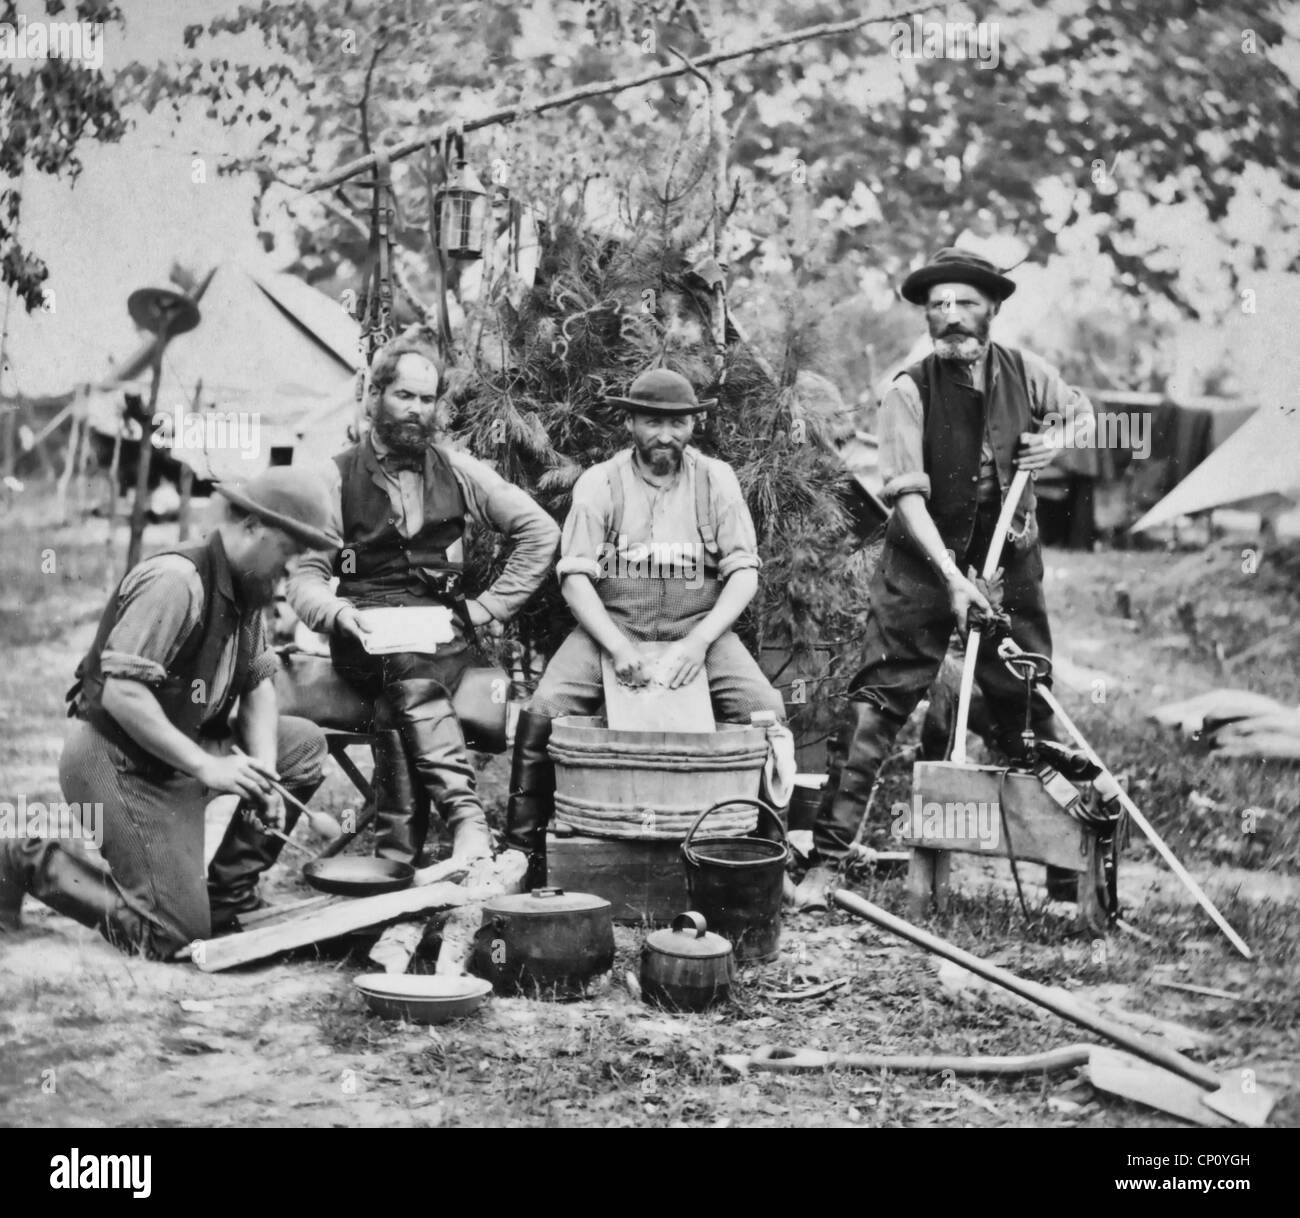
(659, 391)
(956, 266)
(288, 499)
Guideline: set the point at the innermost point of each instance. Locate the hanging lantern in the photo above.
(460, 207)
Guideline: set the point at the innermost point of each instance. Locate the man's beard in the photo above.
(408, 437)
(255, 591)
(962, 345)
(660, 459)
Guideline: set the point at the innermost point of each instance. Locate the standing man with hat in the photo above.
(658, 547)
(181, 641)
(954, 428)
(402, 504)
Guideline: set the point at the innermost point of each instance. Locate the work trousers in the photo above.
(153, 829)
(573, 685)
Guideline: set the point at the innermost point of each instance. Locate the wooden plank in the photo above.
(968, 820)
(644, 881)
(316, 925)
(277, 913)
(655, 707)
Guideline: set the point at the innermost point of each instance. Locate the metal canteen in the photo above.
(547, 943)
(687, 968)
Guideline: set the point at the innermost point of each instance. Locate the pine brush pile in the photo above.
(602, 311)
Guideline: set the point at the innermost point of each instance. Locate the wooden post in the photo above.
(70, 456)
(187, 477)
(921, 872)
(141, 501)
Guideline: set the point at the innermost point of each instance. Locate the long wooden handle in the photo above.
(791, 1061)
(1054, 1001)
(1145, 825)
(991, 561)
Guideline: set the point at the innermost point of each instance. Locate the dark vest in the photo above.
(376, 563)
(955, 415)
(183, 701)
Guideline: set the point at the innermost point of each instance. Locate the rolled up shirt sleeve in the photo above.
(311, 588)
(585, 526)
(902, 453)
(1050, 396)
(159, 604)
(512, 512)
(736, 538)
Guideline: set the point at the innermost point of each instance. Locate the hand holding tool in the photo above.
(325, 825)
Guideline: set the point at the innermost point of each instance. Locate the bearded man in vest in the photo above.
(402, 504)
(954, 428)
(179, 643)
(658, 547)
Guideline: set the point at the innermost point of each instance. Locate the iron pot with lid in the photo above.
(547, 943)
(687, 968)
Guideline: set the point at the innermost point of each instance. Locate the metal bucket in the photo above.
(736, 883)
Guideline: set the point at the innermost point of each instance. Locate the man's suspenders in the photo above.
(703, 506)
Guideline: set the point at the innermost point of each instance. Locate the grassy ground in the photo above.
(93, 1037)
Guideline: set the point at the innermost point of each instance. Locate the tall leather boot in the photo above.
(245, 852)
(440, 762)
(532, 794)
(861, 743)
(72, 885)
(401, 815)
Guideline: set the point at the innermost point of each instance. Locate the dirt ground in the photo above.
(91, 1037)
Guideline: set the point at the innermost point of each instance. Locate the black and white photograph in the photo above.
(686, 564)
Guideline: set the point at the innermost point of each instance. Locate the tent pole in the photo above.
(187, 478)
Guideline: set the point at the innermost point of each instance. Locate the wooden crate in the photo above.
(644, 881)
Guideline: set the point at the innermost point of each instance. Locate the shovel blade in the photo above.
(1241, 1099)
(1131, 1078)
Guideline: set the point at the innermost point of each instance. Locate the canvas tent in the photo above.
(1257, 469)
(269, 349)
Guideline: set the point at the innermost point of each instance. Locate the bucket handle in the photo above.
(727, 803)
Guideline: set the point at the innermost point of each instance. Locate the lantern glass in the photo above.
(462, 214)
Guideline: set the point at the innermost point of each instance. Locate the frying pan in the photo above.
(358, 877)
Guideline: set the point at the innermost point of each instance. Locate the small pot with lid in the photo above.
(687, 968)
(547, 943)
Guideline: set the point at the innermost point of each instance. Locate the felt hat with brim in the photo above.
(287, 499)
(660, 391)
(956, 266)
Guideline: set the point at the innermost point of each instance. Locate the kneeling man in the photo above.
(181, 640)
(658, 547)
